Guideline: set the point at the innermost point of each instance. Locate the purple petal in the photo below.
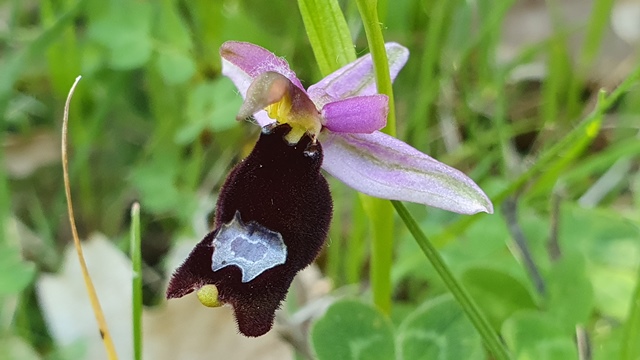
(383, 166)
(242, 62)
(356, 78)
(254, 60)
(360, 114)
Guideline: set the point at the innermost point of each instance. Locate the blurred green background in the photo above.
(489, 88)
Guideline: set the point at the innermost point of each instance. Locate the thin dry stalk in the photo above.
(91, 291)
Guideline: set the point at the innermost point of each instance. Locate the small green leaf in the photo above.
(570, 294)
(208, 22)
(175, 67)
(536, 335)
(125, 31)
(611, 249)
(174, 61)
(352, 330)
(156, 185)
(130, 54)
(211, 105)
(15, 273)
(499, 294)
(170, 28)
(440, 330)
(161, 188)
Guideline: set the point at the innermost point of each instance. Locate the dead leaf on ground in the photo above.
(625, 20)
(178, 329)
(65, 304)
(184, 329)
(25, 154)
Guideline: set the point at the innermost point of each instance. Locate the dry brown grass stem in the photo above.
(91, 291)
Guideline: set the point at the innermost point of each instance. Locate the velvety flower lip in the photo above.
(350, 113)
(272, 219)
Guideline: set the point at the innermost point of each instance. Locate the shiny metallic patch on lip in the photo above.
(251, 247)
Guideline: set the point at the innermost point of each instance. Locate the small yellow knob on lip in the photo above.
(208, 296)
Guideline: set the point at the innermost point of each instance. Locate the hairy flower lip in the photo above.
(351, 113)
(278, 189)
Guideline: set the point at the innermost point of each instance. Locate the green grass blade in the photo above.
(16, 63)
(596, 30)
(588, 127)
(428, 80)
(136, 261)
(328, 34)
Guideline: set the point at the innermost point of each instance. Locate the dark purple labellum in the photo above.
(277, 194)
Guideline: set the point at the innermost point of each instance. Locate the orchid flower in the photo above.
(274, 209)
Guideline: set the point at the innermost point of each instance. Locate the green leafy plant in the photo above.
(543, 120)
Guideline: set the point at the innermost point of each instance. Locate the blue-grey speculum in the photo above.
(251, 247)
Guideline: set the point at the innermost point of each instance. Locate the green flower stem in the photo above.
(380, 211)
(380, 214)
(490, 337)
(136, 260)
(328, 31)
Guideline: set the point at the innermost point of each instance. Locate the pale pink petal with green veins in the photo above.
(383, 166)
(242, 62)
(356, 78)
(354, 152)
(254, 60)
